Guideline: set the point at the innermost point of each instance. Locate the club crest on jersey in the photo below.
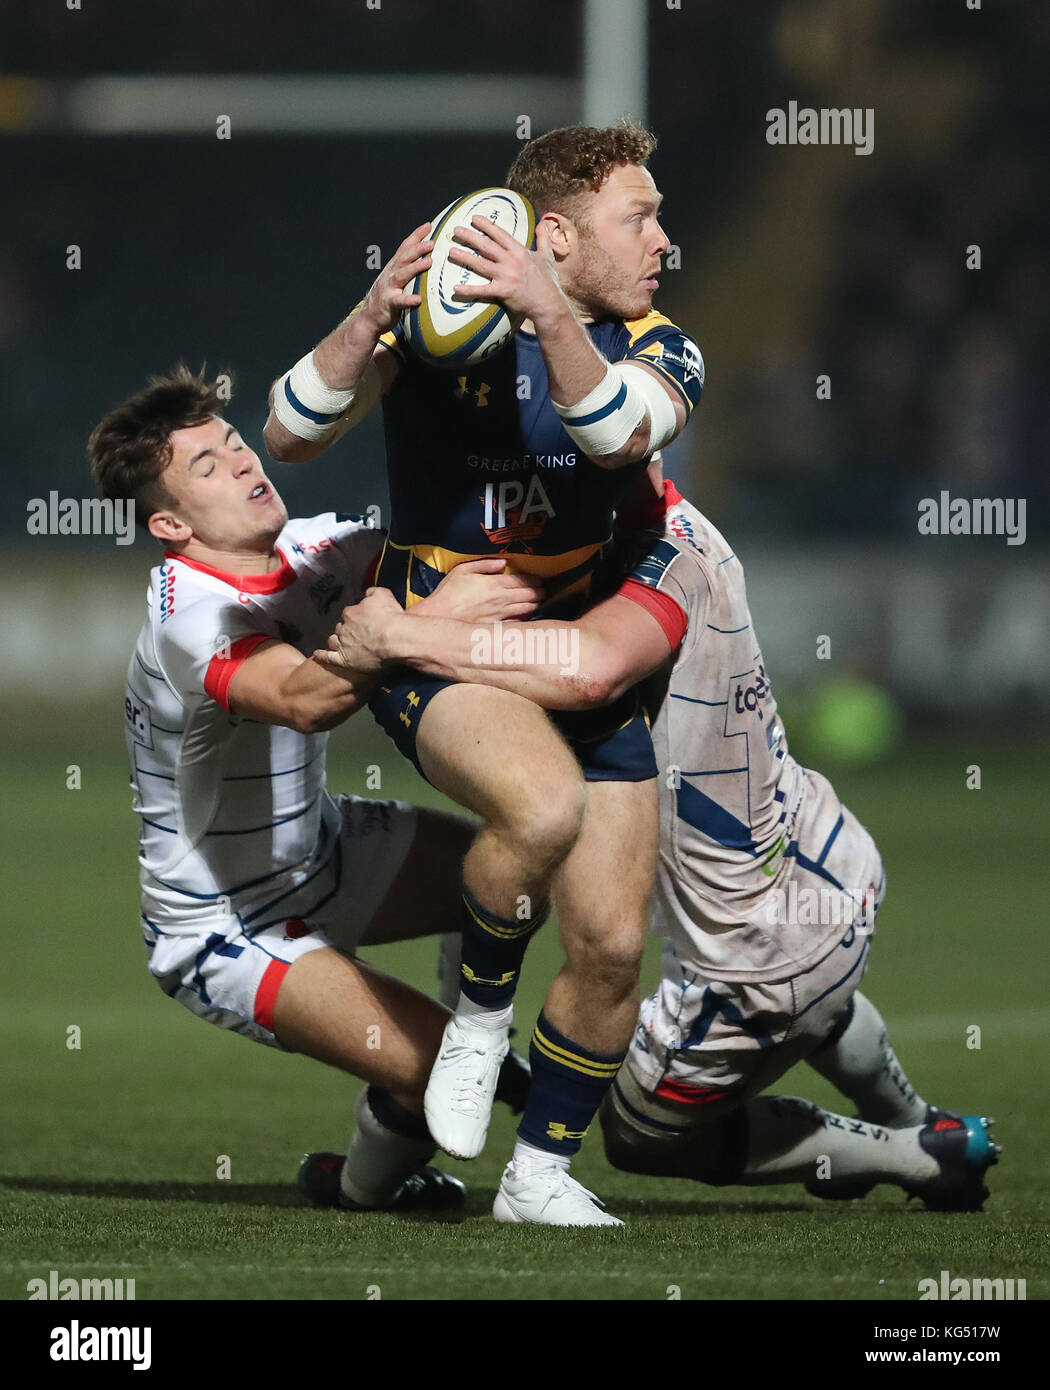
(515, 514)
(325, 592)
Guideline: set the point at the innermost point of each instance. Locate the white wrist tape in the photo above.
(305, 405)
(603, 422)
(663, 422)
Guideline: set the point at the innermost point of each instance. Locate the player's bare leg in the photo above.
(581, 1037)
(425, 898)
(498, 755)
(346, 1013)
(595, 994)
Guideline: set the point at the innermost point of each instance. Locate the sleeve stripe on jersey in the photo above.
(222, 669)
(314, 415)
(661, 606)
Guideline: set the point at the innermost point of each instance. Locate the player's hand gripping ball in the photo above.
(449, 332)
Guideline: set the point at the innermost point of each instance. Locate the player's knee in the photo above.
(610, 958)
(546, 820)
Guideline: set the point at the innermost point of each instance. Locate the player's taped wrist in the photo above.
(607, 417)
(310, 409)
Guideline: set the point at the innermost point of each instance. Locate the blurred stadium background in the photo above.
(351, 124)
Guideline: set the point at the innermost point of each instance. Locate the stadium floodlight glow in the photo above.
(613, 83)
(396, 104)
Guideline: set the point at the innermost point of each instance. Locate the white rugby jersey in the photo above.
(233, 809)
(742, 825)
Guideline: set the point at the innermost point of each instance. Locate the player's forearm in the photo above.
(555, 664)
(314, 699)
(341, 360)
(574, 365)
(576, 370)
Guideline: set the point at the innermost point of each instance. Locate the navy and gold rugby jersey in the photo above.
(480, 464)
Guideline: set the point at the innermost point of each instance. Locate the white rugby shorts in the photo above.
(229, 974)
(704, 1046)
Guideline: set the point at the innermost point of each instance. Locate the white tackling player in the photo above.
(767, 889)
(257, 884)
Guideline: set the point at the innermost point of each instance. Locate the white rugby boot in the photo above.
(462, 1086)
(548, 1197)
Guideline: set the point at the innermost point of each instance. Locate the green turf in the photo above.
(109, 1152)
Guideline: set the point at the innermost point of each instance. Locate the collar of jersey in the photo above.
(271, 583)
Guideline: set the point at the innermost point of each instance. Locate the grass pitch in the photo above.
(110, 1151)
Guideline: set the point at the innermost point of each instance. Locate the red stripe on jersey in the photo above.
(685, 1094)
(662, 607)
(266, 994)
(222, 669)
(271, 583)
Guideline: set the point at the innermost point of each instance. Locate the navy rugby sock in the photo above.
(493, 950)
(568, 1084)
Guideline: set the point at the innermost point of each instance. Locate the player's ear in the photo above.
(168, 529)
(561, 234)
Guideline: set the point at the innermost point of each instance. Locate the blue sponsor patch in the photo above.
(655, 564)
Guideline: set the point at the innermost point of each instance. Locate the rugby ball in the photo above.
(448, 332)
